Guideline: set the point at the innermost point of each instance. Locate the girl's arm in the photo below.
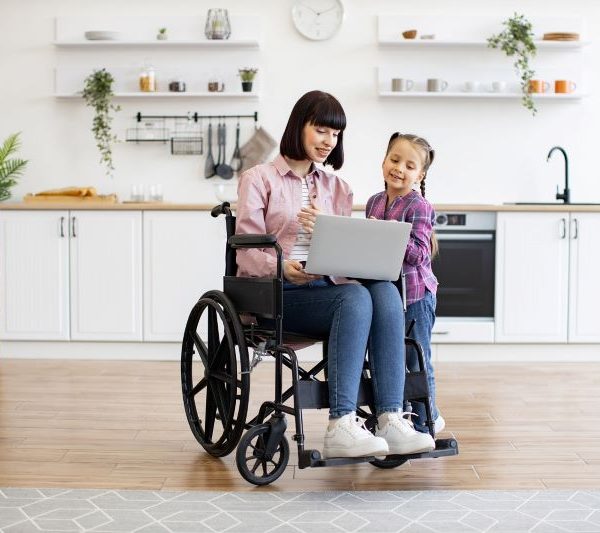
(419, 244)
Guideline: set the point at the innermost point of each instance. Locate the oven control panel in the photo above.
(466, 221)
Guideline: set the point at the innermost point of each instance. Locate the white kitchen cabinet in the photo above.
(106, 275)
(584, 297)
(546, 286)
(34, 275)
(184, 256)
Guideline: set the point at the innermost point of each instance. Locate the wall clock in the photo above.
(318, 19)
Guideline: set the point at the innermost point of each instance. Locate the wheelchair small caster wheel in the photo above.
(253, 462)
(387, 463)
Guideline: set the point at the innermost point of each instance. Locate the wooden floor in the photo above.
(108, 424)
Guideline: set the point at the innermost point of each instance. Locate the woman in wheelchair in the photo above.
(282, 198)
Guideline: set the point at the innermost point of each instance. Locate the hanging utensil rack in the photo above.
(163, 134)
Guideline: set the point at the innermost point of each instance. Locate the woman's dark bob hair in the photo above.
(319, 109)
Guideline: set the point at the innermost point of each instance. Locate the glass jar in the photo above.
(148, 79)
(217, 24)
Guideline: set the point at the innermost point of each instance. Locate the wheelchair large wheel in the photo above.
(252, 461)
(214, 377)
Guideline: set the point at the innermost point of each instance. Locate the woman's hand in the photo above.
(293, 272)
(308, 216)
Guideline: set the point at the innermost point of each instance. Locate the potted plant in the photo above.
(247, 76)
(517, 40)
(162, 34)
(10, 169)
(98, 93)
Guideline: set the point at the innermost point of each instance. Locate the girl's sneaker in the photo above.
(346, 437)
(401, 436)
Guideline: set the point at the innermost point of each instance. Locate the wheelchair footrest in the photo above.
(312, 458)
(443, 448)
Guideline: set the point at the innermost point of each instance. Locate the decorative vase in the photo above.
(247, 86)
(217, 24)
(161, 36)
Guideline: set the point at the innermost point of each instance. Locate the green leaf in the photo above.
(11, 145)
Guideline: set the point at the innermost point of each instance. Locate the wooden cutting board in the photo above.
(66, 199)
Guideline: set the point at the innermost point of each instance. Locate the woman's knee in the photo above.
(385, 297)
(355, 299)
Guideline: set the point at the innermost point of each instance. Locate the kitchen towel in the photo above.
(257, 149)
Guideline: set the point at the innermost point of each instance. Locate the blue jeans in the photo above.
(353, 315)
(423, 312)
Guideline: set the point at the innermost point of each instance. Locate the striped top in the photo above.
(300, 250)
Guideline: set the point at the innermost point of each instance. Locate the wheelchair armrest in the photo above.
(252, 241)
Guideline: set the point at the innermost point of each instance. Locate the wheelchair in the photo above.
(216, 371)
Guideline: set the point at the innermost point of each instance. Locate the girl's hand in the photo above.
(293, 272)
(308, 216)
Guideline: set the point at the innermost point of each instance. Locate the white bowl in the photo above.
(226, 190)
(101, 35)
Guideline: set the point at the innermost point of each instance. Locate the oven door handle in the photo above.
(464, 236)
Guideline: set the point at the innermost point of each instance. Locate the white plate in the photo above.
(97, 35)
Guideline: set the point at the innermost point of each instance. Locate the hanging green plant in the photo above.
(98, 94)
(517, 40)
(10, 169)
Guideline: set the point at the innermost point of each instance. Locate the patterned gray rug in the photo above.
(34, 510)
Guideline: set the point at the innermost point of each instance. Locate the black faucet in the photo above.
(566, 194)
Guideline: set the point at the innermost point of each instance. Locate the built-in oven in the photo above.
(465, 269)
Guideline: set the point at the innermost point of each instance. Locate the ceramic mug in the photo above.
(498, 86)
(436, 85)
(471, 86)
(564, 86)
(538, 86)
(215, 86)
(401, 84)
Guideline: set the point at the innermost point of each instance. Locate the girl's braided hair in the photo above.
(429, 152)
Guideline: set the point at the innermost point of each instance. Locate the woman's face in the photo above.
(402, 167)
(318, 142)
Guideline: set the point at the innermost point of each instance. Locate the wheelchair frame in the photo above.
(225, 375)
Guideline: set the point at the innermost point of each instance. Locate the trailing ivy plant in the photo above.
(98, 93)
(10, 169)
(517, 40)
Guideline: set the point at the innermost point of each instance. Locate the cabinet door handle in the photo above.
(563, 228)
(575, 226)
(62, 226)
(73, 228)
(440, 332)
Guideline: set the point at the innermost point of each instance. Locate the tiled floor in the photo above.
(34, 510)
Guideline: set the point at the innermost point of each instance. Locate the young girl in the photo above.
(283, 198)
(406, 162)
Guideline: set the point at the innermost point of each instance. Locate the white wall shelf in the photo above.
(176, 95)
(226, 43)
(459, 56)
(438, 43)
(464, 95)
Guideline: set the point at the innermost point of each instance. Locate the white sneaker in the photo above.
(401, 436)
(346, 437)
(439, 424)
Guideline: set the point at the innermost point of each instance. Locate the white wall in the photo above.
(487, 151)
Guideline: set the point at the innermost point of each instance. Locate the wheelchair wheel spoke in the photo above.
(209, 421)
(256, 465)
(219, 394)
(199, 387)
(213, 335)
(265, 471)
(201, 349)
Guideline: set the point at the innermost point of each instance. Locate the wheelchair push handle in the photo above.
(221, 209)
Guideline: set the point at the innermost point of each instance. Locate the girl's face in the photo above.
(318, 142)
(402, 168)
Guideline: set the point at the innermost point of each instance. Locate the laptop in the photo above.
(357, 247)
